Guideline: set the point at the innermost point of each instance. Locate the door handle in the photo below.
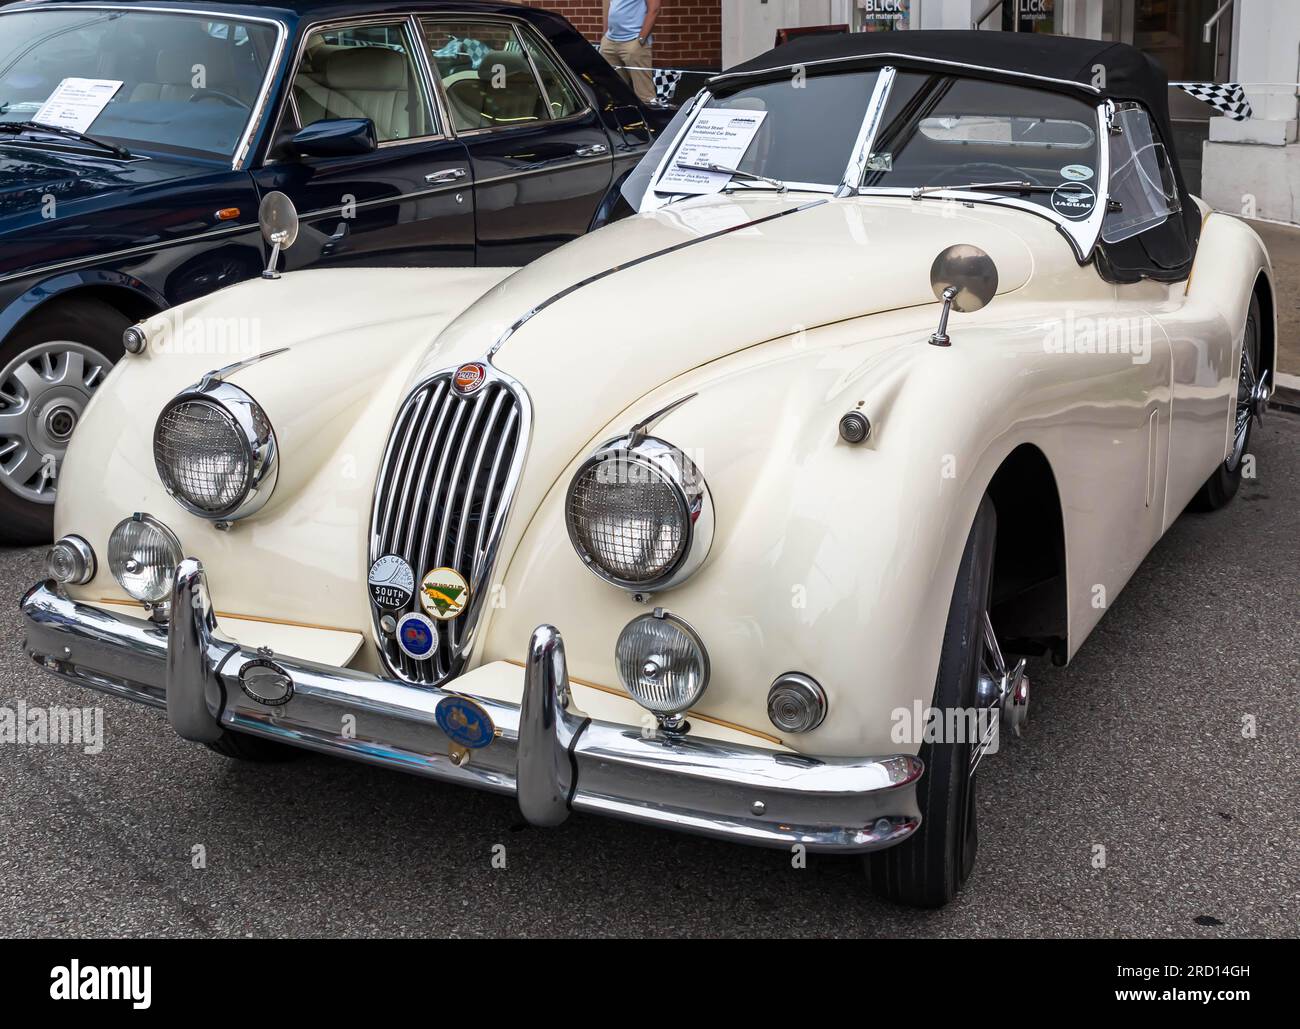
(595, 150)
(447, 175)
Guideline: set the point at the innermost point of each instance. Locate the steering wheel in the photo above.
(220, 97)
(982, 171)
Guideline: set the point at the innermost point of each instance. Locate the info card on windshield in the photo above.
(717, 137)
(76, 103)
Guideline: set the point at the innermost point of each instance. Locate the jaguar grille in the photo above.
(441, 501)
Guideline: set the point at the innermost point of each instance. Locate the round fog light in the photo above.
(796, 703)
(662, 663)
(70, 561)
(143, 555)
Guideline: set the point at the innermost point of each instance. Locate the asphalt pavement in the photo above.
(1137, 748)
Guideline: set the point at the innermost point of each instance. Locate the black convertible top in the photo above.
(1088, 68)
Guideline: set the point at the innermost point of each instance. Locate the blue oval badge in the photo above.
(465, 722)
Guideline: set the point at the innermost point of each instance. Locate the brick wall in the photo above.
(688, 33)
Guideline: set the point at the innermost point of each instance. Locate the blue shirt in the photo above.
(625, 19)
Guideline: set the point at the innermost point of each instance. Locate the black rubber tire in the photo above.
(239, 746)
(1222, 486)
(89, 322)
(929, 867)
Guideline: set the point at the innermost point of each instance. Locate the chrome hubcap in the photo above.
(43, 392)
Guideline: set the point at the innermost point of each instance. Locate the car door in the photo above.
(407, 202)
(540, 156)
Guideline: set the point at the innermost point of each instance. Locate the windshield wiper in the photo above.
(735, 173)
(1015, 186)
(59, 130)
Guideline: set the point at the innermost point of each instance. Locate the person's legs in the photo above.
(613, 53)
(641, 60)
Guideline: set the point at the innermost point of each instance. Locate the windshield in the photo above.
(944, 131)
(761, 130)
(172, 83)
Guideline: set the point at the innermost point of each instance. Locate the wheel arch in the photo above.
(121, 292)
(1030, 586)
(1268, 325)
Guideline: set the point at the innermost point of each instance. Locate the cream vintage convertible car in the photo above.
(799, 527)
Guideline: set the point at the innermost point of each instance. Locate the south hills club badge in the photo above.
(444, 593)
(392, 583)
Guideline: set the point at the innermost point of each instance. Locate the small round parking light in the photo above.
(71, 561)
(796, 703)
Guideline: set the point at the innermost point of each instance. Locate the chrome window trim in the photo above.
(517, 24)
(414, 39)
(867, 132)
(257, 110)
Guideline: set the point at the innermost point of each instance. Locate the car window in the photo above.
(180, 83)
(560, 94)
(363, 72)
(485, 74)
(1143, 190)
(943, 131)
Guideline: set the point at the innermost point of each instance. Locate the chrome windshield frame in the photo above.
(257, 111)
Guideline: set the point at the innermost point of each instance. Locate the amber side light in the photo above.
(227, 214)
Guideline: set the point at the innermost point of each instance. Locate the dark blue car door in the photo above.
(410, 202)
(538, 152)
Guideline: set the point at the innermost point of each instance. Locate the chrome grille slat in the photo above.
(441, 500)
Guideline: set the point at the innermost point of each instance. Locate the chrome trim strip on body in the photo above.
(726, 78)
(255, 112)
(570, 290)
(544, 751)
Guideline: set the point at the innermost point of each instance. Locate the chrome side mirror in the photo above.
(965, 278)
(279, 220)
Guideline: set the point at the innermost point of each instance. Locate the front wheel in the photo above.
(928, 868)
(50, 367)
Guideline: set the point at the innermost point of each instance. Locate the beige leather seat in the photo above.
(503, 93)
(359, 82)
(174, 72)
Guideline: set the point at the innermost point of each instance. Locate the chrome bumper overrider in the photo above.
(550, 756)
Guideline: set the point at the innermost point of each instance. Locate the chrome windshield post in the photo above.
(857, 166)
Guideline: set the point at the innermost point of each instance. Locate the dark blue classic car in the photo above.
(137, 140)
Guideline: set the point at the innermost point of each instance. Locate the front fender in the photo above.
(837, 560)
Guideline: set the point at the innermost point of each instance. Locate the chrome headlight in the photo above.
(639, 514)
(216, 452)
(662, 663)
(143, 555)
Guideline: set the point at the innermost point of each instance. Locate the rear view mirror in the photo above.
(335, 137)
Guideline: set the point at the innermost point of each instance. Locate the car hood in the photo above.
(28, 175)
(616, 314)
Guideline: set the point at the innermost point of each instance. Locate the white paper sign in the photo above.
(76, 103)
(717, 137)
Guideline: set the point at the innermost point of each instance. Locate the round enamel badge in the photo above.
(469, 377)
(444, 593)
(392, 583)
(417, 636)
(464, 722)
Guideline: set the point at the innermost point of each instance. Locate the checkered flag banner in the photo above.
(666, 80)
(1227, 97)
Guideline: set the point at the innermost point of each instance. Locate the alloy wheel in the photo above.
(43, 393)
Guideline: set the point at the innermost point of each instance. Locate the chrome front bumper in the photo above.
(549, 755)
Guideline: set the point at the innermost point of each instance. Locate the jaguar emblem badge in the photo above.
(444, 593)
(470, 378)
